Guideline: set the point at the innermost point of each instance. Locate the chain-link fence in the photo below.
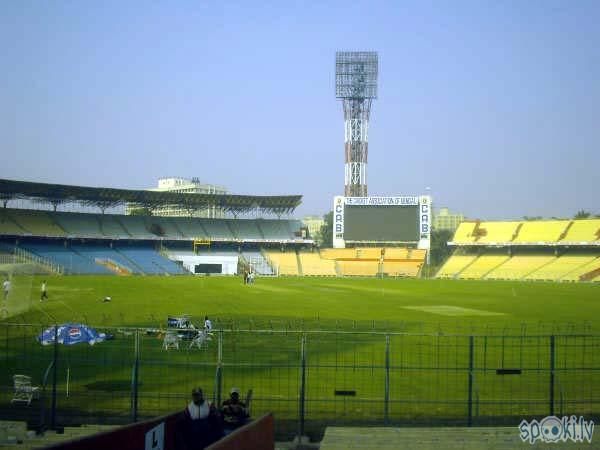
(308, 379)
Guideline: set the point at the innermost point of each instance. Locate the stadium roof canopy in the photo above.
(103, 198)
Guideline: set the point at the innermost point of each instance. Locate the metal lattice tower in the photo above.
(356, 86)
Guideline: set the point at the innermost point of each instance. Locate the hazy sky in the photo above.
(495, 105)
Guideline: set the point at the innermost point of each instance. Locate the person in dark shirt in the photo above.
(201, 423)
(235, 413)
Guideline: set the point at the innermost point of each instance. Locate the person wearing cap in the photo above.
(201, 423)
(235, 413)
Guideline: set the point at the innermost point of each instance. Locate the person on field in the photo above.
(207, 324)
(201, 422)
(6, 288)
(235, 414)
(44, 295)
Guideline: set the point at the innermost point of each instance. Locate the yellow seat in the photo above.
(313, 264)
(284, 263)
(482, 266)
(519, 266)
(583, 231)
(541, 231)
(454, 265)
(489, 232)
(560, 267)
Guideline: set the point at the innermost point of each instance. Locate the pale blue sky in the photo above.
(494, 105)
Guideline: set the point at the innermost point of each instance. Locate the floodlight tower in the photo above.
(356, 86)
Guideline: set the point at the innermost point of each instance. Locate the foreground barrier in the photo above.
(161, 434)
(257, 435)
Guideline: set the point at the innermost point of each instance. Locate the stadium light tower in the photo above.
(356, 86)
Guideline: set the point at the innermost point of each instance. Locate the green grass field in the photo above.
(346, 323)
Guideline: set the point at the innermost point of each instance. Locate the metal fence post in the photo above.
(54, 379)
(552, 363)
(301, 402)
(470, 405)
(386, 401)
(219, 373)
(135, 377)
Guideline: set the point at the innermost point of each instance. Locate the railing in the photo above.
(313, 379)
(23, 256)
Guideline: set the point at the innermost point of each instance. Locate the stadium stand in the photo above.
(191, 228)
(258, 262)
(368, 253)
(395, 253)
(72, 261)
(548, 250)
(163, 227)
(245, 229)
(482, 266)
(578, 273)
(560, 267)
(359, 268)
(583, 231)
(338, 253)
(284, 263)
(8, 226)
(454, 265)
(136, 227)
(101, 253)
(541, 231)
(35, 222)
(217, 229)
(313, 264)
(149, 261)
(402, 269)
(464, 232)
(15, 222)
(488, 232)
(110, 227)
(519, 266)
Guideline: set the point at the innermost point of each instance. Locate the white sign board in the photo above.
(155, 438)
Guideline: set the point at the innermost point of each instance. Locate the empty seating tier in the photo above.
(489, 232)
(577, 273)
(22, 222)
(313, 264)
(402, 269)
(541, 231)
(464, 232)
(34, 222)
(454, 265)
(560, 267)
(359, 268)
(482, 265)
(519, 266)
(285, 263)
(583, 231)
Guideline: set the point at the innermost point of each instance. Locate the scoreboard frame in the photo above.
(422, 202)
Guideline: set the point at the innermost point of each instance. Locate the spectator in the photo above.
(201, 424)
(235, 413)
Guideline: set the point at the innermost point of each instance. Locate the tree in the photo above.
(440, 250)
(327, 231)
(582, 214)
(532, 218)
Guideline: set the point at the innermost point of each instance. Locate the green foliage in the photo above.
(440, 251)
(327, 231)
(532, 218)
(582, 214)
